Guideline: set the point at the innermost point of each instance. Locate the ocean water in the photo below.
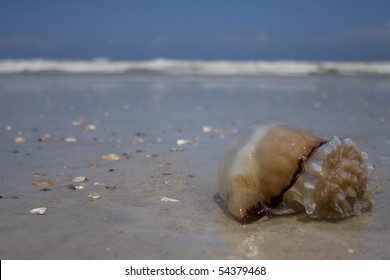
(195, 67)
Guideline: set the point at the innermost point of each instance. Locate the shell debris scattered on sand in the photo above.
(168, 199)
(39, 211)
(273, 168)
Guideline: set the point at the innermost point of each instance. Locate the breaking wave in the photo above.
(194, 67)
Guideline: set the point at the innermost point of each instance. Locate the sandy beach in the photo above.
(148, 147)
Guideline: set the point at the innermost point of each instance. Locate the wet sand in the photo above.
(70, 122)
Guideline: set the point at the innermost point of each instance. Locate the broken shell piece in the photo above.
(92, 165)
(79, 179)
(89, 127)
(207, 129)
(43, 183)
(111, 157)
(70, 140)
(46, 137)
(39, 174)
(39, 211)
(181, 142)
(78, 122)
(274, 168)
(93, 195)
(167, 199)
(177, 149)
(20, 140)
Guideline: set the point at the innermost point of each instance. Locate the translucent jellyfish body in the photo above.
(274, 168)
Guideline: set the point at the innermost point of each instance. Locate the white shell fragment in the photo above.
(89, 127)
(78, 122)
(273, 168)
(39, 211)
(167, 199)
(70, 140)
(79, 179)
(207, 129)
(93, 195)
(181, 142)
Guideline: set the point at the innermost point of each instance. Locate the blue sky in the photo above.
(198, 29)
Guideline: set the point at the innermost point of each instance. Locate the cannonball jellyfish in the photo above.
(273, 168)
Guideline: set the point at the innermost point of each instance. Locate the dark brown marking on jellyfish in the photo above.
(260, 210)
(255, 212)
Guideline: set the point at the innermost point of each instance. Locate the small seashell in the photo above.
(88, 127)
(111, 157)
(207, 129)
(39, 211)
(46, 137)
(78, 122)
(20, 140)
(167, 199)
(70, 140)
(43, 183)
(79, 187)
(39, 174)
(93, 195)
(177, 149)
(270, 167)
(92, 165)
(79, 179)
(181, 142)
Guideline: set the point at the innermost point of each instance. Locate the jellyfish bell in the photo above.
(273, 168)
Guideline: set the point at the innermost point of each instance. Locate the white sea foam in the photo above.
(195, 67)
